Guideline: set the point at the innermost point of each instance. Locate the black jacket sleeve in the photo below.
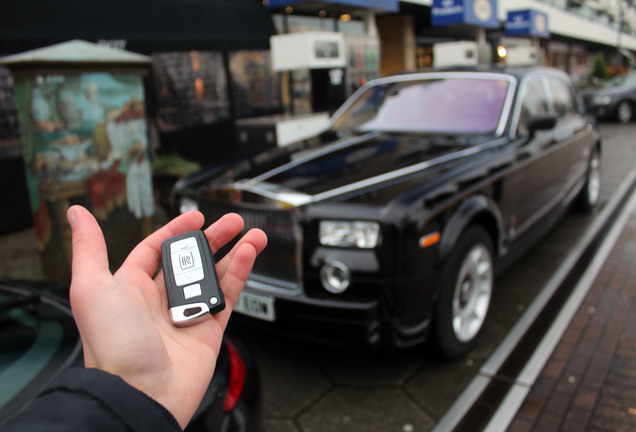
(91, 400)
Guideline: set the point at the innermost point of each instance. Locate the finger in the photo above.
(147, 254)
(254, 237)
(238, 269)
(223, 230)
(89, 247)
(90, 257)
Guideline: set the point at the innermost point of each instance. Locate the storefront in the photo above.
(305, 89)
(210, 60)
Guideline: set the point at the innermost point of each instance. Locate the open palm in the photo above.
(123, 318)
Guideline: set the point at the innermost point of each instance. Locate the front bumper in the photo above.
(336, 321)
(324, 320)
(602, 112)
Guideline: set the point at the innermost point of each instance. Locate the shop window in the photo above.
(255, 88)
(424, 57)
(191, 89)
(344, 23)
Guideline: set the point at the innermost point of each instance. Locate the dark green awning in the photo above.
(145, 26)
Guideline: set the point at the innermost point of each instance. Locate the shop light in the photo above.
(345, 17)
(501, 51)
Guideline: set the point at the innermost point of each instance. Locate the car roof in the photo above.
(515, 71)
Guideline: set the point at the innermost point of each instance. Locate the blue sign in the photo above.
(383, 5)
(527, 22)
(479, 13)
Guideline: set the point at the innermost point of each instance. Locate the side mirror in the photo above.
(541, 122)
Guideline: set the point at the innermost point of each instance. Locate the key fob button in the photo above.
(191, 291)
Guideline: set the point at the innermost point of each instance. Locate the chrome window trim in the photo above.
(543, 77)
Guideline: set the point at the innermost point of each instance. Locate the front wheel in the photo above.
(464, 300)
(624, 112)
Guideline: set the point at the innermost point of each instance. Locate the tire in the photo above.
(589, 196)
(466, 292)
(624, 112)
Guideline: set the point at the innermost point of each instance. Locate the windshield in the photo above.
(36, 340)
(447, 105)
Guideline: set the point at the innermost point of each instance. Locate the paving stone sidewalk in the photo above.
(589, 383)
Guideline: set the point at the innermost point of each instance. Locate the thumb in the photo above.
(90, 258)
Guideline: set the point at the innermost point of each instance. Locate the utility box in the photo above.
(522, 56)
(308, 50)
(461, 53)
(83, 132)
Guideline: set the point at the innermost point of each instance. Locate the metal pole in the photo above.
(482, 46)
(619, 37)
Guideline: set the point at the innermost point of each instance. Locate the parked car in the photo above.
(393, 223)
(614, 100)
(38, 338)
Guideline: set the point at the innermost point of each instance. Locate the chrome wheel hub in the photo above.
(594, 180)
(472, 293)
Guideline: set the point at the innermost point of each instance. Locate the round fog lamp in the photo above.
(335, 277)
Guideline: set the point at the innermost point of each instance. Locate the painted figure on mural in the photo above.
(84, 139)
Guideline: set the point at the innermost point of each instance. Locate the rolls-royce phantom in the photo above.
(391, 225)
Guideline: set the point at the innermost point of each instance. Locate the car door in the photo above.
(524, 192)
(569, 152)
(546, 161)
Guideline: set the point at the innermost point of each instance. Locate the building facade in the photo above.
(577, 29)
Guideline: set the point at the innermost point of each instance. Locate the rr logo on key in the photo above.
(186, 260)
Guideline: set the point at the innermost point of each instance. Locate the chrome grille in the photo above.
(276, 268)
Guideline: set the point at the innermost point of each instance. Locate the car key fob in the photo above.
(191, 281)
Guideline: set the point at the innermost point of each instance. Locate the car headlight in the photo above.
(358, 234)
(602, 100)
(187, 204)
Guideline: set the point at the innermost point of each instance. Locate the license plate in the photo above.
(256, 306)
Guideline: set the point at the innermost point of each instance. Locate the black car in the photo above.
(392, 223)
(38, 338)
(614, 100)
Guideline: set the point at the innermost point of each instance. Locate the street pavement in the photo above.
(589, 382)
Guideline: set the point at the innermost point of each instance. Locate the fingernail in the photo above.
(71, 217)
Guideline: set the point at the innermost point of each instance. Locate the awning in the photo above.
(75, 52)
(142, 26)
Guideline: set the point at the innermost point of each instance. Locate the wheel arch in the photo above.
(476, 210)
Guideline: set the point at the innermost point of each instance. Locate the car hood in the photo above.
(612, 91)
(347, 165)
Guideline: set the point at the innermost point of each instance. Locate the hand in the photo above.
(123, 318)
